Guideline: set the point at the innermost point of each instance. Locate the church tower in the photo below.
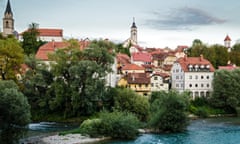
(133, 37)
(227, 43)
(8, 21)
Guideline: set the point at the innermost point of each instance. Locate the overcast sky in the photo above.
(160, 23)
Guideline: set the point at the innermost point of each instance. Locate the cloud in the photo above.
(182, 19)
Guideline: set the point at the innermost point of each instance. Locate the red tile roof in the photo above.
(227, 38)
(229, 67)
(193, 61)
(49, 32)
(138, 78)
(164, 75)
(144, 57)
(132, 67)
(181, 48)
(123, 59)
(50, 47)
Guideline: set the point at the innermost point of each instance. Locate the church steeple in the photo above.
(8, 9)
(133, 32)
(8, 21)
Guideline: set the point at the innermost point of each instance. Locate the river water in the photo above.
(204, 131)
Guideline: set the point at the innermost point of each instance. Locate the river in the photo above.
(203, 131)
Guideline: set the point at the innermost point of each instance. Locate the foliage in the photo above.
(128, 100)
(121, 49)
(118, 125)
(30, 41)
(226, 86)
(216, 54)
(14, 107)
(168, 111)
(74, 82)
(11, 58)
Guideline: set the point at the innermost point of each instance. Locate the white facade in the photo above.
(158, 83)
(199, 83)
(51, 38)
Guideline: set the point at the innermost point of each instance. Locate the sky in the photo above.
(160, 23)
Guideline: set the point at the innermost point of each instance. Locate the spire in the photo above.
(8, 8)
(227, 38)
(133, 24)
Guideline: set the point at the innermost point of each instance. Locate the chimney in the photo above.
(201, 57)
(185, 58)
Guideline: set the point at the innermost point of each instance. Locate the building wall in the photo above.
(157, 84)
(51, 38)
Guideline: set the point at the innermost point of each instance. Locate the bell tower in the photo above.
(133, 37)
(8, 21)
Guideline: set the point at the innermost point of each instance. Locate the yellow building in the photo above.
(139, 82)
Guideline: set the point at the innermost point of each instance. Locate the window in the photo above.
(208, 85)
(155, 78)
(140, 85)
(152, 84)
(202, 77)
(177, 70)
(190, 77)
(146, 85)
(202, 85)
(196, 85)
(190, 85)
(177, 85)
(207, 77)
(201, 93)
(181, 85)
(196, 77)
(177, 77)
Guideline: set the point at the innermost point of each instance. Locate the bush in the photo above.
(91, 127)
(123, 125)
(168, 112)
(128, 100)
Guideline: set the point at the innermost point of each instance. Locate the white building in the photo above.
(159, 82)
(194, 74)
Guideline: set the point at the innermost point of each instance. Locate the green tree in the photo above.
(30, 41)
(168, 111)
(11, 58)
(235, 55)
(226, 89)
(14, 107)
(79, 82)
(128, 100)
(222, 55)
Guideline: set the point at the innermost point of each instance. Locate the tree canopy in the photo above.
(14, 107)
(11, 58)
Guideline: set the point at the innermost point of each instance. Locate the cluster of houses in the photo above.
(146, 70)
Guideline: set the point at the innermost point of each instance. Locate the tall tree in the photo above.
(14, 107)
(30, 41)
(11, 58)
(79, 81)
(226, 89)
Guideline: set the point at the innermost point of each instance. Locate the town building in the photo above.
(159, 82)
(227, 43)
(194, 74)
(133, 36)
(138, 82)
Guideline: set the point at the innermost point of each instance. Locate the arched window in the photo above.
(7, 24)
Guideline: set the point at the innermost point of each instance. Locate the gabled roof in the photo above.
(227, 38)
(123, 59)
(138, 78)
(48, 32)
(163, 75)
(50, 47)
(140, 56)
(228, 67)
(132, 67)
(193, 61)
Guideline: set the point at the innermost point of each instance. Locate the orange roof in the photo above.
(123, 58)
(138, 78)
(50, 47)
(181, 48)
(144, 57)
(193, 61)
(132, 67)
(164, 75)
(49, 32)
(227, 38)
(228, 67)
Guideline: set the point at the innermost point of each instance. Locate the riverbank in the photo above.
(62, 139)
